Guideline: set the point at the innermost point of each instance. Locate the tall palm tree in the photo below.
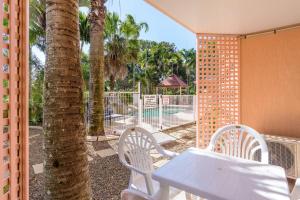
(96, 83)
(66, 164)
(121, 45)
(188, 58)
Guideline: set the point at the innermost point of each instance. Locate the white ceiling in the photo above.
(230, 16)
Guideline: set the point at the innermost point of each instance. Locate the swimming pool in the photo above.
(154, 112)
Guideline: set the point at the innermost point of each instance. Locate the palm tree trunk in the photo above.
(96, 89)
(66, 164)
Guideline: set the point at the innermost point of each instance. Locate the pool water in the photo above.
(154, 112)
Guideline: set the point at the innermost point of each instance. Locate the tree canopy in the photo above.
(128, 58)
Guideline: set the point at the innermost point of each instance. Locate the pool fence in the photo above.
(156, 112)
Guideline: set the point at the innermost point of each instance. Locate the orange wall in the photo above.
(270, 82)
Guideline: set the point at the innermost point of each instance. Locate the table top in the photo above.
(219, 177)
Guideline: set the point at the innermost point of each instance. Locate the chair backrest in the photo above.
(240, 141)
(134, 149)
(129, 194)
(296, 191)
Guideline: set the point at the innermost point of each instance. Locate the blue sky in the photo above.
(161, 27)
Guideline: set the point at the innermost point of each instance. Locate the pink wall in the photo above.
(270, 82)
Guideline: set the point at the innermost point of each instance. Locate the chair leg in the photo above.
(149, 184)
(188, 196)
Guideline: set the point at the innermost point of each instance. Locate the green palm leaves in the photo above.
(84, 27)
(121, 45)
(37, 26)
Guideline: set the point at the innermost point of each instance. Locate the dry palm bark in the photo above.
(66, 164)
(96, 85)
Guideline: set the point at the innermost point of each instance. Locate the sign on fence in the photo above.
(166, 100)
(150, 101)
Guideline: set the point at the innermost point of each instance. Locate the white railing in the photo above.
(177, 110)
(167, 111)
(127, 109)
(121, 111)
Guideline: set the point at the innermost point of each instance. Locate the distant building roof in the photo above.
(173, 82)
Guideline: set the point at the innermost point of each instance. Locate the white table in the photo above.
(219, 177)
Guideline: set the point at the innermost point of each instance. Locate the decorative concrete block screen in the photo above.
(218, 68)
(14, 96)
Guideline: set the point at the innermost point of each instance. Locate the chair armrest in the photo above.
(169, 154)
(135, 169)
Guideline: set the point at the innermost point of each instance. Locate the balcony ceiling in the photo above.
(230, 16)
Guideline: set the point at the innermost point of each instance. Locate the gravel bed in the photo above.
(36, 181)
(108, 176)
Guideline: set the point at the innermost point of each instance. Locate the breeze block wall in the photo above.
(218, 84)
(14, 50)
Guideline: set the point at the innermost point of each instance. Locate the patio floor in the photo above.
(108, 176)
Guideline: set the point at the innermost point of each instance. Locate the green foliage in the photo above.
(37, 28)
(188, 58)
(159, 60)
(84, 28)
(5, 83)
(5, 8)
(128, 59)
(155, 62)
(5, 99)
(85, 67)
(5, 188)
(36, 92)
(37, 24)
(5, 22)
(121, 45)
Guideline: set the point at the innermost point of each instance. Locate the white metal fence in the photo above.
(121, 111)
(127, 109)
(167, 111)
(177, 110)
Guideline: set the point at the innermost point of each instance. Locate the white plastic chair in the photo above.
(295, 195)
(240, 141)
(129, 194)
(134, 149)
